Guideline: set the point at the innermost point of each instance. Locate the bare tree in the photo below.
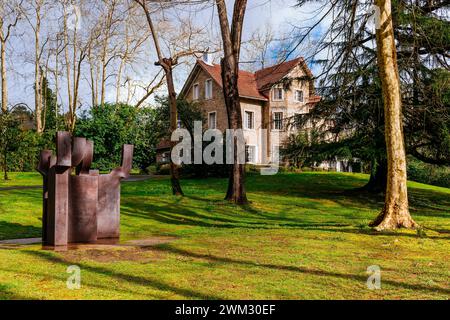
(75, 51)
(167, 65)
(182, 45)
(93, 78)
(132, 39)
(150, 89)
(57, 50)
(107, 54)
(257, 48)
(35, 20)
(66, 54)
(123, 60)
(230, 71)
(7, 10)
(79, 40)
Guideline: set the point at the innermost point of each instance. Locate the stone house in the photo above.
(270, 97)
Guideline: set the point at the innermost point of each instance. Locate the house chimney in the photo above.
(207, 58)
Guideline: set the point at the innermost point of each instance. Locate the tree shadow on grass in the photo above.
(63, 279)
(428, 203)
(342, 189)
(372, 232)
(158, 285)
(7, 294)
(313, 272)
(171, 214)
(10, 230)
(190, 214)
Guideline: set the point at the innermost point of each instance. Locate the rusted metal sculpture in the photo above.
(83, 206)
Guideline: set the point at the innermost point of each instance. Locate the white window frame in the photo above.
(273, 94)
(246, 122)
(255, 153)
(215, 119)
(194, 86)
(295, 96)
(275, 121)
(208, 95)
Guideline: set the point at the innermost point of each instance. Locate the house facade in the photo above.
(269, 99)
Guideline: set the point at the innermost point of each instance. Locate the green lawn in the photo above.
(21, 179)
(304, 236)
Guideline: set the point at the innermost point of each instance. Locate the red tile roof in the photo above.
(253, 85)
(314, 99)
(246, 81)
(269, 76)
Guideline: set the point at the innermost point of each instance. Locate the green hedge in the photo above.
(426, 173)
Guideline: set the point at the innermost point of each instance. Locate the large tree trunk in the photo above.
(378, 177)
(174, 169)
(230, 73)
(236, 182)
(395, 213)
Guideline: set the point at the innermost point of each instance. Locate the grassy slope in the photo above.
(304, 236)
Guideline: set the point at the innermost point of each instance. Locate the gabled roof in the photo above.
(252, 85)
(267, 77)
(246, 80)
(314, 99)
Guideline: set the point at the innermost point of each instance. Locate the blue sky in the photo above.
(280, 15)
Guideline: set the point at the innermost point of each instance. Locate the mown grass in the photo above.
(21, 179)
(303, 236)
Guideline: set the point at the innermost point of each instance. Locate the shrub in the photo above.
(110, 126)
(426, 173)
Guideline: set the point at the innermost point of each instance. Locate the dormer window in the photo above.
(298, 96)
(278, 94)
(208, 89)
(195, 91)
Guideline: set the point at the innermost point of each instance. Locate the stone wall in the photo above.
(215, 104)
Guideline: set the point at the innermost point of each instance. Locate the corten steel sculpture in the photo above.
(80, 207)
